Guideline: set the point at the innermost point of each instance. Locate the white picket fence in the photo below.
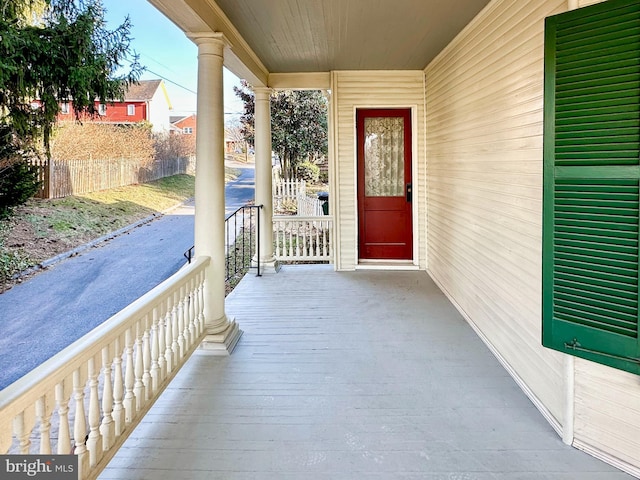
(303, 238)
(288, 191)
(295, 191)
(309, 207)
(88, 398)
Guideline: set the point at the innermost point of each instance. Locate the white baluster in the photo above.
(93, 442)
(290, 229)
(22, 430)
(138, 384)
(44, 412)
(154, 370)
(323, 239)
(314, 249)
(175, 346)
(107, 427)
(308, 230)
(146, 358)
(193, 327)
(322, 247)
(64, 434)
(185, 292)
(201, 303)
(79, 421)
(179, 301)
(168, 338)
(196, 305)
(162, 361)
(306, 240)
(129, 378)
(118, 389)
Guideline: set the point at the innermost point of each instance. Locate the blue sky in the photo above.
(167, 53)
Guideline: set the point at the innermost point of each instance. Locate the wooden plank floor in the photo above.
(364, 374)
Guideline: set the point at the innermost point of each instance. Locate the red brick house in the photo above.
(185, 125)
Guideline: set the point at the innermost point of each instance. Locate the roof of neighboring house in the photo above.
(142, 91)
(176, 119)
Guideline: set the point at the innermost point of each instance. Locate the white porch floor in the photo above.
(367, 374)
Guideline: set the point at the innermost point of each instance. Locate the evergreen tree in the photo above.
(55, 51)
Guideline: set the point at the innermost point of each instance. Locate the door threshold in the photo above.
(386, 265)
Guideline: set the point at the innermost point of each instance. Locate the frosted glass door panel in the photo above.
(384, 156)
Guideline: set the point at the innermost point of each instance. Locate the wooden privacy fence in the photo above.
(62, 178)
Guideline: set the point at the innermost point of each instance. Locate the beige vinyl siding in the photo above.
(607, 412)
(484, 177)
(352, 90)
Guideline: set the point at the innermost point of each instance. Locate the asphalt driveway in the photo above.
(43, 315)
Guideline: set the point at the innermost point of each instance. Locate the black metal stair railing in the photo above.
(242, 234)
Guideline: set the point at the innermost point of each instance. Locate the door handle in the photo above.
(408, 193)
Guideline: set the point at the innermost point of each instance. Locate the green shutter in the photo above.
(592, 183)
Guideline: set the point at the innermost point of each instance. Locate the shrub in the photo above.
(308, 171)
(168, 147)
(74, 141)
(18, 179)
(18, 183)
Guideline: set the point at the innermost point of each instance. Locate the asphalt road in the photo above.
(241, 191)
(41, 316)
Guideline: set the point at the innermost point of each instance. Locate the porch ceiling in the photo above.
(292, 36)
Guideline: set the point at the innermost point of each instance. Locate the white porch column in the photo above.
(264, 193)
(222, 333)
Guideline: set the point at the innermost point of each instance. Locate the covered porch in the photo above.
(344, 371)
(366, 374)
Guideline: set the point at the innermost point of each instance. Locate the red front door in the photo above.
(384, 184)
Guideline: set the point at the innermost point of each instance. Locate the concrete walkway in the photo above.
(348, 376)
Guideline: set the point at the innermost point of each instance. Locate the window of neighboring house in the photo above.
(591, 192)
(102, 109)
(131, 110)
(187, 130)
(64, 108)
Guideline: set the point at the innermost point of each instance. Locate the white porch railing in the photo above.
(301, 238)
(89, 397)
